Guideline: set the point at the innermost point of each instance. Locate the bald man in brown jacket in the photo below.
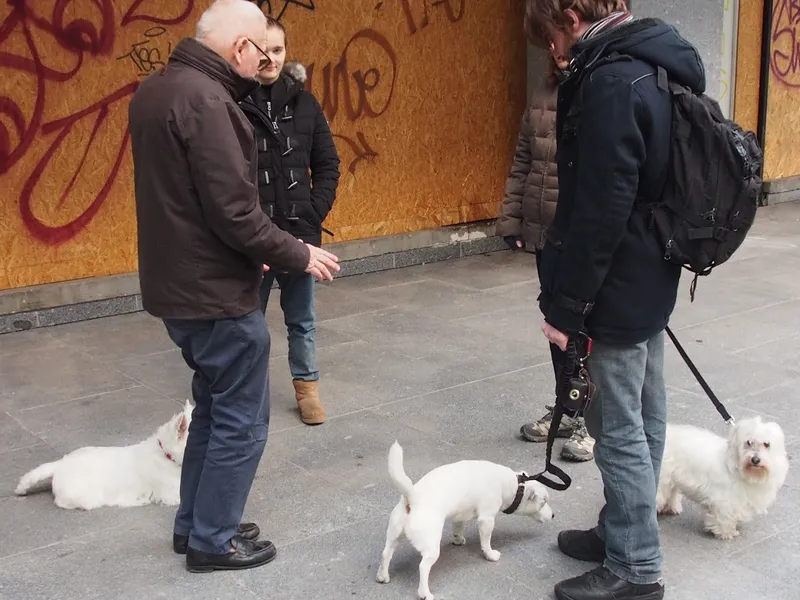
(203, 245)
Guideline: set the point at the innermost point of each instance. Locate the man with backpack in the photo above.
(606, 269)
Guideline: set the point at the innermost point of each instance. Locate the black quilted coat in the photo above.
(298, 166)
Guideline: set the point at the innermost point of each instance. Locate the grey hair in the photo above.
(225, 21)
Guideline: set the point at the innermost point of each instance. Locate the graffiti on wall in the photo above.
(453, 10)
(785, 60)
(70, 67)
(81, 38)
(366, 91)
(278, 8)
(355, 91)
(147, 55)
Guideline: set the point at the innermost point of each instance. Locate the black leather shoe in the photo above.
(246, 531)
(602, 584)
(582, 545)
(246, 554)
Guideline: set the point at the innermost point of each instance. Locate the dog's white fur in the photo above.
(734, 479)
(459, 492)
(135, 475)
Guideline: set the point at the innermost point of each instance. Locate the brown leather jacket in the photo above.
(203, 236)
(531, 190)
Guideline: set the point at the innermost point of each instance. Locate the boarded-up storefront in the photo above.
(780, 99)
(424, 99)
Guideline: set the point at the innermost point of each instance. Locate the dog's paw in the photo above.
(383, 578)
(428, 596)
(459, 540)
(722, 532)
(492, 555)
(726, 535)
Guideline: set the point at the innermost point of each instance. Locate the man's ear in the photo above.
(573, 21)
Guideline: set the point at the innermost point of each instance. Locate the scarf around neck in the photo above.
(615, 19)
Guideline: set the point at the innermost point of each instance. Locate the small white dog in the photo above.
(734, 479)
(459, 492)
(145, 473)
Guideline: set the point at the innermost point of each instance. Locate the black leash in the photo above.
(577, 390)
(709, 392)
(574, 387)
(549, 467)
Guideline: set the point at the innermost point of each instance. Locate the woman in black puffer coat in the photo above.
(298, 174)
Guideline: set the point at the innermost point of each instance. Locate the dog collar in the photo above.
(521, 479)
(167, 454)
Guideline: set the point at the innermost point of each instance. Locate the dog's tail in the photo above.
(398, 474)
(31, 479)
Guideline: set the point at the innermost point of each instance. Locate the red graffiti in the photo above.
(360, 148)
(357, 86)
(132, 15)
(453, 14)
(79, 38)
(785, 60)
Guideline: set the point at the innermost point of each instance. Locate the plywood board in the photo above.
(783, 107)
(748, 63)
(424, 98)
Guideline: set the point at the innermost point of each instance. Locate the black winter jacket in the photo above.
(602, 269)
(298, 166)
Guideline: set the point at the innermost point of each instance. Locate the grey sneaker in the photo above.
(580, 444)
(537, 431)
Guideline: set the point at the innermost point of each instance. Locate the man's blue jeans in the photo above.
(297, 303)
(628, 421)
(228, 432)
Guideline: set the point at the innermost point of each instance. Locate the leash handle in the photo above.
(706, 388)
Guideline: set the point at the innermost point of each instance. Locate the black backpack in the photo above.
(713, 184)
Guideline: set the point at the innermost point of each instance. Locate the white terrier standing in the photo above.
(734, 479)
(460, 491)
(145, 473)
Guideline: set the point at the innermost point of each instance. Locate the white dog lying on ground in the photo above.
(145, 473)
(734, 479)
(460, 492)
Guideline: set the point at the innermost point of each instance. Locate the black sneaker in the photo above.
(602, 584)
(582, 545)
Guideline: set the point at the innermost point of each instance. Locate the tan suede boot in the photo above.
(312, 412)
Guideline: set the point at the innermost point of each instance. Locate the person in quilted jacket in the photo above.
(527, 209)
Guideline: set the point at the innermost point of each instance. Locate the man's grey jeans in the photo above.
(628, 418)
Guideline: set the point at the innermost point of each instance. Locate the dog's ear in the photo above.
(775, 433)
(536, 492)
(183, 426)
(733, 435)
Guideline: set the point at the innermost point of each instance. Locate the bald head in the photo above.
(229, 28)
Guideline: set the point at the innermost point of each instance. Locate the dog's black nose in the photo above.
(755, 460)
(553, 516)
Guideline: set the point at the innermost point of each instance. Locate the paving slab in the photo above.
(448, 359)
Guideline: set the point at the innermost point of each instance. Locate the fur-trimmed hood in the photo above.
(296, 71)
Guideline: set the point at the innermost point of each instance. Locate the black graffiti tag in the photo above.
(144, 55)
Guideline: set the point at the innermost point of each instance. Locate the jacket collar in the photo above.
(280, 93)
(199, 56)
